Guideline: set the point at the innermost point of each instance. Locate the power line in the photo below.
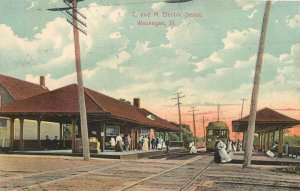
(178, 97)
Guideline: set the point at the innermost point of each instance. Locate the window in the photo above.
(210, 132)
(216, 132)
(223, 133)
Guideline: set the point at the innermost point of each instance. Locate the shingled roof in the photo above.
(266, 119)
(65, 101)
(20, 89)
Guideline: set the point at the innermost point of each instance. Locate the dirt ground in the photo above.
(195, 173)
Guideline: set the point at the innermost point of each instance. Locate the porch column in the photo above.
(280, 146)
(264, 141)
(268, 141)
(73, 134)
(132, 136)
(60, 131)
(39, 133)
(21, 142)
(261, 140)
(102, 136)
(273, 137)
(12, 134)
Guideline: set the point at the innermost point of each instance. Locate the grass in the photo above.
(290, 170)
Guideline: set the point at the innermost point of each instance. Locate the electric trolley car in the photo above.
(214, 129)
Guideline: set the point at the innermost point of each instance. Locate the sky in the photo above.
(205, 49)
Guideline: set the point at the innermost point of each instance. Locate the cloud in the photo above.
(141, 48)
(31, 6)
(247, 4)
(252, 14)
(167, 73)
(115, 35)
(235, 39)
(115, 61)
(157, 6)
(293, 22)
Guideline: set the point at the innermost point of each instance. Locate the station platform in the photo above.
(259, 158)
(108, 154)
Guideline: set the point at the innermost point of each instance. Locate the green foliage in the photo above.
(186, 134)
(292, 140)
(67, 134)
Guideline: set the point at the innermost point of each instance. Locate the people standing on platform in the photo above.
(145, 144)
(47, 143)
(112, 142)
(153, 142)
(192, 147)
(234, 147)
(167, 146)
(160, 143)
(229, 148)
(221, 149)
(156, 143)
(127, 142)
(55, 143)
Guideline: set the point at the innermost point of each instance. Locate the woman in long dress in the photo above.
(145, 144)
(221, 148)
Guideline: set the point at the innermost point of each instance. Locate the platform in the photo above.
(109, 154)
(259, 158)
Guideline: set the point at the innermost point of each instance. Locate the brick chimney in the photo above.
(136, 102)
(42, 81)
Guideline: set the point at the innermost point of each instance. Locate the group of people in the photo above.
(119, 144)
(156, 143)
(52, 144)
(222, 151)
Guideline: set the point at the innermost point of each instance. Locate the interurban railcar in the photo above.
(213, 130)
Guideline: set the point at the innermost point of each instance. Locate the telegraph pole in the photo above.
(204, 133)
(178, 97)
(194, 123)
(72, 4)
(253, 106)
(218, 108)
(242, 107)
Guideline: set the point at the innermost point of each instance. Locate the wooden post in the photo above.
(73, 134)
(268, 141)
(280, 146)
(132, 139)
(273, 137)
(102, 136)
(21, 142)
(254, 97)
(60, 131)
(12, 134)
(39, 133)
(264, 141)
(261, 141)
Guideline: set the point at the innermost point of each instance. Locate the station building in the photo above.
(107, 117)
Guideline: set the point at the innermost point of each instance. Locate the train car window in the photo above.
(210, 132)
(223, 133)
(216, 132)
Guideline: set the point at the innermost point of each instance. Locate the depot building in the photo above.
(58, 109)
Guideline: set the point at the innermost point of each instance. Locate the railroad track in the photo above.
(179, 177)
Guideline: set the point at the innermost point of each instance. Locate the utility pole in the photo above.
(178, 97)
(242, 107)
(218, 110)
(204, 133)
(194, 123)
(253, 106)
(72, 4)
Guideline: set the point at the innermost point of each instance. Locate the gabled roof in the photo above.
(157, 120)
(269, 115)
(65, 101)
(20, 89)
(266, 120)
